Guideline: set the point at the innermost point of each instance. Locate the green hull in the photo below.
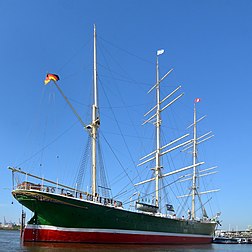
(68, 212)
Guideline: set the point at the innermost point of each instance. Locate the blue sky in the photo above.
(208, 43)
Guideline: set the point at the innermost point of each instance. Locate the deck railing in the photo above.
(60, 189)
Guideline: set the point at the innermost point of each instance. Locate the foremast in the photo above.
(194, 177)
(196, 174)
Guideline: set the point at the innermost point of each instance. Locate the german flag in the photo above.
(49, 77)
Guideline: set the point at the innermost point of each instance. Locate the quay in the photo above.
(240, 236)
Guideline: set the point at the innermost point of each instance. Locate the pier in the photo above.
(240, 235)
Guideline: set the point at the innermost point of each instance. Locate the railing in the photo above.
(60, 189)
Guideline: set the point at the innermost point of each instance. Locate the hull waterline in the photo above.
(57, 234)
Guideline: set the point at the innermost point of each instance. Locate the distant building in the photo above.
(234, 233)
(249, 228)
(8, 225)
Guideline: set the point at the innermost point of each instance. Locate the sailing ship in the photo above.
(65, 214)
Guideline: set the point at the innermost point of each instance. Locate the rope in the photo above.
(46, 146)
(83, 165)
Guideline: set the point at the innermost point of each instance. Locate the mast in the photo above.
(93, 127)
(194, 186)
(155, 114)
(158, 126)
(95, 120)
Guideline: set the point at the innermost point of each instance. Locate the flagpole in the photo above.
(70, 105)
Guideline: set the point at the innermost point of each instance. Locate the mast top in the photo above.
(95, 72)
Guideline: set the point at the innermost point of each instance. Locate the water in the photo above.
(9, 241)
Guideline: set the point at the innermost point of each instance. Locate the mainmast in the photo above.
(160, 149)
(158, 127)
(95, 120)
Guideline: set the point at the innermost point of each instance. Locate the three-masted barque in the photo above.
(65, 214)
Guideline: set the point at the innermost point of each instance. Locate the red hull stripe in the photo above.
(56, 234)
